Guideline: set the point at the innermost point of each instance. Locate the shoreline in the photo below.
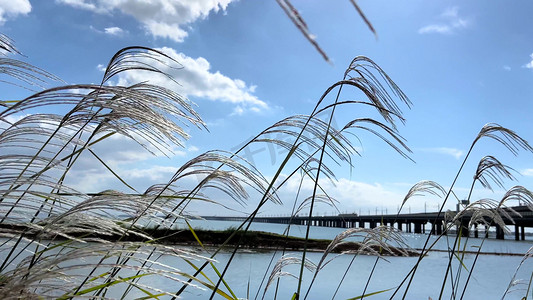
(259, 240)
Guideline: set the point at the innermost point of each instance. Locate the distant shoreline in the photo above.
(258, 240)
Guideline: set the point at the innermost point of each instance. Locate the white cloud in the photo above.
(101, 68)
(97, 178)
(452, 23)
(529, 65)
(11, 119)
(164, 30)
(506, 68)
(161, 18)
(12, 8)
(352, 196)
(156, 174)
(114, 30)
(456, 153)
(197, 79)
(134, 164)
(193, 149)
(119, 149)
(83, 4)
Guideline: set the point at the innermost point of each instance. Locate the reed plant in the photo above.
(58, 242)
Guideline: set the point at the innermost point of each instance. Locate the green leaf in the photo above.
(212, 265)
(197, 269)
(194, 234)
(101, 286)
(371, 294)
(150, 295)
(112, 172)
(460, 260)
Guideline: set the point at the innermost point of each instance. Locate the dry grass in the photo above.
(57, 248)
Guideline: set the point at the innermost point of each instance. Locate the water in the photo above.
(490, 279)
(492, 276)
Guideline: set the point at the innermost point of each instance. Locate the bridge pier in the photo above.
(465, 231)
(372, 224)
(499, 232)
(418, 227)
(361, 224)
(519, 232)
(476, 232)
(400, 226)
(436, 228)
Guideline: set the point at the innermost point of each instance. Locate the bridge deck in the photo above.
(407, 222)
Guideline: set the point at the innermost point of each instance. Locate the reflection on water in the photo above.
(491, 275)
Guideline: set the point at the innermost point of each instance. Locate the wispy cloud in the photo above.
(13, 8)
(529, 65)
(435, 28)
(451, 12)
(160, 18)
(114, 30)
(506, 68)
(527, 172)
(451, 23)
(455, 153)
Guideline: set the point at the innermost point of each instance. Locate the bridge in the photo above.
(413, 223)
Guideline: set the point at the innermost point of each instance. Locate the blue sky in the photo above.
(462, 64)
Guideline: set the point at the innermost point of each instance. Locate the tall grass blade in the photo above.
(299, 22)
